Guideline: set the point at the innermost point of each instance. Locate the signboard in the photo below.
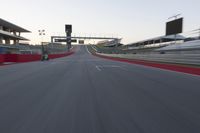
(68, 28)
(81, 41)
(64, 40)
(174, 27)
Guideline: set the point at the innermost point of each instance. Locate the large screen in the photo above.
(68, 28)
(174, 27)
(81, 41)
(64, 40)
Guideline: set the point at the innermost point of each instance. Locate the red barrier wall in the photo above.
(21, 58)
(1, 58)
(28, 57)
(53, 56)
(10, 57)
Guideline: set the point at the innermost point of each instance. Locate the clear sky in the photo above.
(133, 20)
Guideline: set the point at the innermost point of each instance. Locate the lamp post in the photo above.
(197, 32)
(42, 33)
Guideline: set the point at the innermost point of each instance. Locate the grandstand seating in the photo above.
(184, 46)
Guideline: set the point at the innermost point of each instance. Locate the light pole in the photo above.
(42, 33)
(198, 32)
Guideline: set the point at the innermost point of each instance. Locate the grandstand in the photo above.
(156, 42)
(163, 44)
(186, 53)
(186, 46)
(110, 43)
(11, 33)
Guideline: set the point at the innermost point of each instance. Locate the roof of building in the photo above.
(157, 40)
(7, 34)
(12, 26)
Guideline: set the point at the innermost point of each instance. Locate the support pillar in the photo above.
(1, 40)
(7, 41)
(68, 31)
(161, 42)
(52, 40)
(16, 41)
(69, 40)
(14, 33)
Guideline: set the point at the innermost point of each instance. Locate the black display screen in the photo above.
(68, 28)
(174, 27)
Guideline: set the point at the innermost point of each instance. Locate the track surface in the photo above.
(86, 94)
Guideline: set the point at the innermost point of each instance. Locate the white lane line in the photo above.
(94, 48)
(87, 50)
(109, 66)
(98, 68)
(71, 47)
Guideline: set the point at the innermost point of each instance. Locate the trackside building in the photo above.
(11, 33)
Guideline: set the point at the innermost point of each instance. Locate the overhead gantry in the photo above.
(69, 39)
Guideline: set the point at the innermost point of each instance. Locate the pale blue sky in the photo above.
(130, 19)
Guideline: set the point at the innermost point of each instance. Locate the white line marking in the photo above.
(98, 68)
(94, 48)
(71, 47)
(87, 50)
(109, 66)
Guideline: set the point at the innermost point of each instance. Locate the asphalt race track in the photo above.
(82, 93)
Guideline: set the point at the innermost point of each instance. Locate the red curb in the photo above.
(172, 67)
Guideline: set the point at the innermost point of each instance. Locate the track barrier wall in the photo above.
(53, 56)
(19, 58)
(172, 67)
(1, 58)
